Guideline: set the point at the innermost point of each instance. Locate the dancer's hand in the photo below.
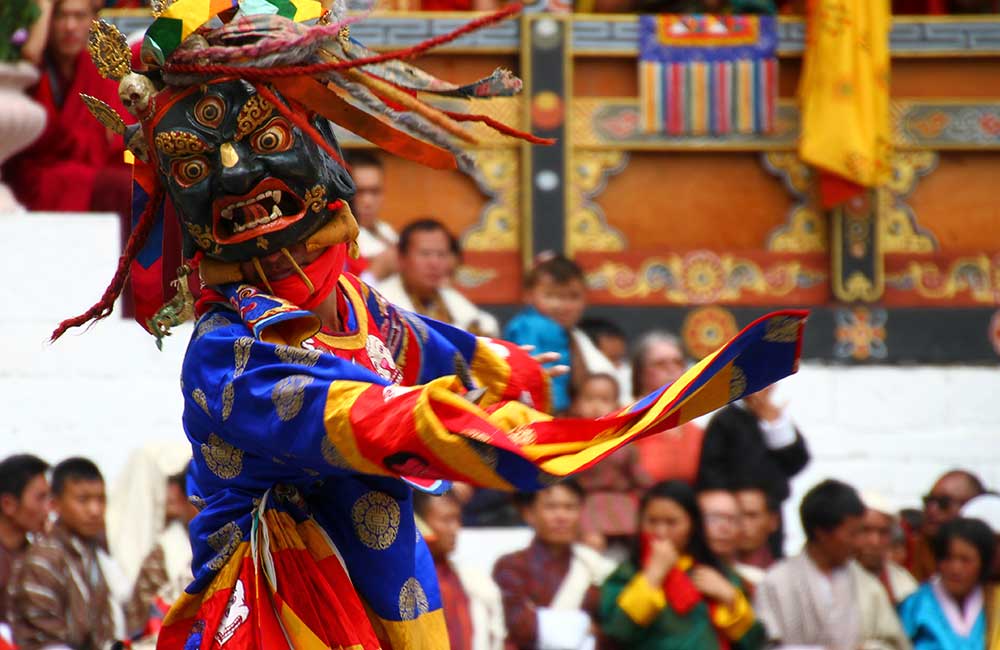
(547, 357)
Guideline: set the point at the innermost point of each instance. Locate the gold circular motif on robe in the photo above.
(241, 354)
(223, 459)
(297, 356)
(412, 600)
(210, 324)
(288, 395)
(228, 394)
(737, 383)
(782, 329)
(198, 395)
(376, 520)
(224, 542)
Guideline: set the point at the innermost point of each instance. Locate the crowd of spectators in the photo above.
(697, 570)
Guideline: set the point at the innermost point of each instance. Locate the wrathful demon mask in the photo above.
(244, 180)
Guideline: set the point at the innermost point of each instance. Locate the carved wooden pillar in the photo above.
(546, 52)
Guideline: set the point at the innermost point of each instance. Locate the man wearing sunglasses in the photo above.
(941, 505)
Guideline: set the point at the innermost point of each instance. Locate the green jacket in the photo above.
(636, 615)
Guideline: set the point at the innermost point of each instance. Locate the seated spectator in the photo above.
(986, 508)
(471, 601)
(873, 548)
(947, 611)
(60, 596)
(140, 499)
(658, 360)
(77, 164)
(821, 597)
(720, 512)
(754, 442)
(556, 297)
(611, 341)
(942, 504)
(551, 589)
(428, 255)
(899, 542)
(166, 570)
(760, 517)
(674, 592)
(376, 239)
(24, 511)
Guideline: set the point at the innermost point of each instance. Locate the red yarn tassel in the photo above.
(104, 306)
(499, 127)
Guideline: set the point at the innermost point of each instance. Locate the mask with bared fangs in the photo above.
(244, 180)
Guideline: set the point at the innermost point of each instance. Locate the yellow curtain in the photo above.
(844, 90)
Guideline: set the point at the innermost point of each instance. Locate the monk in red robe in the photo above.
(76, 165)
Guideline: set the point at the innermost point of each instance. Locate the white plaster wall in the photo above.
(103, 392)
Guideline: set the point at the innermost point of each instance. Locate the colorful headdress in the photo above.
(297, 62)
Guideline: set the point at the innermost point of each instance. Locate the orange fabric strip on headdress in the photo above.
(388, 92)
(315, 96)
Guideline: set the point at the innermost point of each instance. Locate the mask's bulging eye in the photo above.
(209, 111)
(275, 137)
(188, 171)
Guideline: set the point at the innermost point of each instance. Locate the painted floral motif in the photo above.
(860, 334)
(701, 277)
(705, 329)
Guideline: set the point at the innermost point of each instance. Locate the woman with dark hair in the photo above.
(673, 593)
(947, 611)
(673, 454)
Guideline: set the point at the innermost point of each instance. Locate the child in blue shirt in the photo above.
(556, 297)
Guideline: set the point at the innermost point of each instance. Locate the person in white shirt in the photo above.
(471, 600)
(873, 547)
(376, 239)
(822, 598)
(428, 256)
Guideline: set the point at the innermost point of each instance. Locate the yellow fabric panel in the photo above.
(453, 449)
(315, 541)
(516, 414)
(641, 601)
(844, 91)
(298, 632)
(489, 371)
(992, 609)
(735, 620)
(426, 632)
(187, 605)
(714, 394)
(283, 531)
(337, 416)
